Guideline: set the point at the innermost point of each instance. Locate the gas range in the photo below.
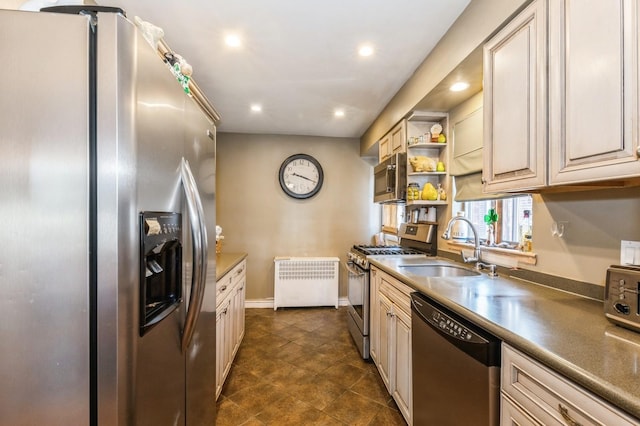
(415, 239)
(360, 254)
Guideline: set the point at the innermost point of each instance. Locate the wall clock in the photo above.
(301, 176)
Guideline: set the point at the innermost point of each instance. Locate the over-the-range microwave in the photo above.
(390, 179)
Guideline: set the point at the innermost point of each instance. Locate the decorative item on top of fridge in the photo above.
(180, 69)
(219, 238)
(150, 32)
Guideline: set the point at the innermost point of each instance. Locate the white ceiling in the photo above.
(299, 58)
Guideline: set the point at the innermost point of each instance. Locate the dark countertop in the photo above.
(567, 332)
(226, 262)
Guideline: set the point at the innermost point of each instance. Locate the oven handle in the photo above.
(352, 270)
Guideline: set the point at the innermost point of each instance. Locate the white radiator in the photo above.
(306, 281)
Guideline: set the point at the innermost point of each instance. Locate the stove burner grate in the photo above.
(371, 250)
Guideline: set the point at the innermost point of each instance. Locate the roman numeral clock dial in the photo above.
(301, 176)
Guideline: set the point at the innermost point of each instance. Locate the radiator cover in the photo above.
(306, 281)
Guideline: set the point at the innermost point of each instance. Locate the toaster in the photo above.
(621, 296)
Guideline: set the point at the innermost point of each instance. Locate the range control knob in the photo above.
(622, 308)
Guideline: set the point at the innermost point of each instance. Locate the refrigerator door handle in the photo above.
(199, 238)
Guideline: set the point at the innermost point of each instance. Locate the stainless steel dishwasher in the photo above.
(456, 368)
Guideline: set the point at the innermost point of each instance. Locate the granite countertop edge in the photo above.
(225, 262)
(581, 365)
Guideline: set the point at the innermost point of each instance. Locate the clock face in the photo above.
(301, 176)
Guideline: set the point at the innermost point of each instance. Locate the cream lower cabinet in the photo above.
(374, 317)
(393, 334)
(534, 395)
(223, 344)
(230, 322)
(402, 391)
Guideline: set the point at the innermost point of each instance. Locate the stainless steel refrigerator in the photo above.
(107, 192)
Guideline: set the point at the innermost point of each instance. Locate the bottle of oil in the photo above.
(526, 234)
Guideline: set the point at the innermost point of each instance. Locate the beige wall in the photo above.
(258, 218)
(596, 222)
(477, 23)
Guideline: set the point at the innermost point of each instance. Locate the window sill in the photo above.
(501, 256)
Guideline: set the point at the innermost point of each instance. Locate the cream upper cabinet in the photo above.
(399, 137)
(593, 89)
(384, 147)
(515, 103)
(393, 142)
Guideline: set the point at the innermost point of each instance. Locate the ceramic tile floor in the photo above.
(299, 366)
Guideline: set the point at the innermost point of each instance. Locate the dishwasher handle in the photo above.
(482, 346)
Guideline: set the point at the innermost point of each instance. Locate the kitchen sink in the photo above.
(431, 270)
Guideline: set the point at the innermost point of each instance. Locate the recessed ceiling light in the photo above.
(232, 40)
(459, 86)
(339, 113)
(256, 108)
(365, 50)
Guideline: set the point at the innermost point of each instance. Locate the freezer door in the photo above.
(44, 255)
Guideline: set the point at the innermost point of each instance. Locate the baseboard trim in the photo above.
(268, 303)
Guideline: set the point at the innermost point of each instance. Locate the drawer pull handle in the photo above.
(239, 271)
(564, 411)
(223, 288)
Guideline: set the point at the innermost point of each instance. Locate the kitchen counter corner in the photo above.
(226, 262)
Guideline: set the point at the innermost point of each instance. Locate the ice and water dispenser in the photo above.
(160, 266)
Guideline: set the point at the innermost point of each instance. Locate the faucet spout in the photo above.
(446, 235)
(476, 241)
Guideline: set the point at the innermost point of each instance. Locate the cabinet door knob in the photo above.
(638, 151)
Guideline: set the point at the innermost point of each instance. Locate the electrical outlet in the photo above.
(630, 252)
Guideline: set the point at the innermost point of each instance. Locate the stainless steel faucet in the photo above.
(476, 247)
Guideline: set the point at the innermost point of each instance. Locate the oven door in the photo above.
(358, 295)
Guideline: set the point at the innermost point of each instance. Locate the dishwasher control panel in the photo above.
(447, 324)
(454, 328)
(622, 292)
